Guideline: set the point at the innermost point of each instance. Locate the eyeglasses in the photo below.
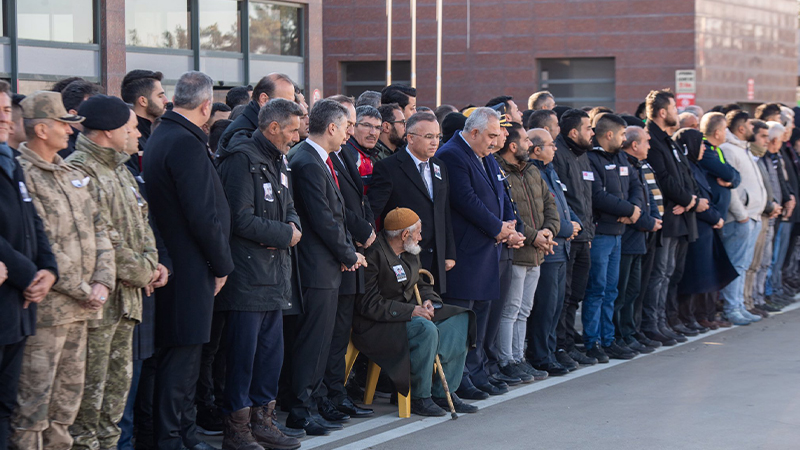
(429, 137)
(403, 121)
(369, 127)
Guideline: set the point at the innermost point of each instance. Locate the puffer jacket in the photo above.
(78, 237)
(124, 208)
(535, 206)
(256, 182)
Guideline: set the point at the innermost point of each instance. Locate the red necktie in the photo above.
(333, 172)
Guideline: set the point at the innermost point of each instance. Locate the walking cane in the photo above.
(439, 368)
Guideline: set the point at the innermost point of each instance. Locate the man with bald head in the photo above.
(688, 120)
(274, 85)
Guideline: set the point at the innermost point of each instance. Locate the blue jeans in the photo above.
(739, 240)
(601, 291)
(774, 276)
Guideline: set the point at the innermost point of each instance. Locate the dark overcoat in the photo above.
(192, 214)
(479, 205)
(256, 182)
(397, 183)
(381, 314)
(24, 249)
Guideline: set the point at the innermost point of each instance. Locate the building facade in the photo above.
(586, 52)
(236, 42)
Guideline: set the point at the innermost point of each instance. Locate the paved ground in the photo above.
(732, 389)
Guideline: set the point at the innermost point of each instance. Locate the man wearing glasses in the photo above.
(362, 144)
(413, 178)
(393, 131)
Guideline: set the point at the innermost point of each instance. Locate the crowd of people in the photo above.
(171, 268)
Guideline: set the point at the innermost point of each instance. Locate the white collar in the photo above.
(417, 161)
(321, 151)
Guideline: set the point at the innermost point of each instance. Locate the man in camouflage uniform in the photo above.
(54, 361)
(100, 152)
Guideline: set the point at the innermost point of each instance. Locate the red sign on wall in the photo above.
(684, 100)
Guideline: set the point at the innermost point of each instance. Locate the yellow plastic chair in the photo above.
(373, 371)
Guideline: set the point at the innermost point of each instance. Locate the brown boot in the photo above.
(265, 431)
(237, 434)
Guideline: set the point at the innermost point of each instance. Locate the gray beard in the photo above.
(411, 247)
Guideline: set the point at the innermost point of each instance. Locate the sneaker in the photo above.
(504, 379)
(537, 375)
(597, 353)
(513, 370)
(582, 359)
(624, 345)
(563, 358)
(749, 316)
(737, 318)
(614, 351)
(770, 307)
(637, 346)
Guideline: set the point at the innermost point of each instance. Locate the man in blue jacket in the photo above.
(616, 197)
(634, 245)
(482, 219)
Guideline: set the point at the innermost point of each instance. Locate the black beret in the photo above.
(103, 112)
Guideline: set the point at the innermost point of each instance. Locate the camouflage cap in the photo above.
(47, 105)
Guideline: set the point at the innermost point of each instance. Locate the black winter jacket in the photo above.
(256, 182)
(615, 191)
(575, 172)
(248, 121)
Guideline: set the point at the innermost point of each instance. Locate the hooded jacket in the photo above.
(749, 199)
(576, 174)
(124, 208)
(78, 235)
(535, 206)
(256, 182)
(248, 121)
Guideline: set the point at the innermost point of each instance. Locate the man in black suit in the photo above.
(30, 267)
(192, 214)
(333, 403)
(398, 182)
(325, 251)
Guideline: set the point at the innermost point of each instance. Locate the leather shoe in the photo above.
(296, 433)
(722, 323)
(203, 446)
(667, 331)
(329, 412)
(507, 379)
(350, 408)
(553, 369)
(580, 358)
(308, 424)
(458, 405)
(709, 325)
(325, 423)
(426, 407)
(500, 384)
(472, 393)
(637, 346)
(658, 337)
(697, 327)
(491, 389)
(684, 330)
(644, 340)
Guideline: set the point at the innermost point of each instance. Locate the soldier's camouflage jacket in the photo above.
(78, 234)
(126, 211)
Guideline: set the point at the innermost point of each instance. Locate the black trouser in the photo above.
(496, 313)
(475, 366)
(547, 305)
(578, 266)
(647, 268)
(677, 275)
(705, 306)
(333, 385)
(630, 281)
(211, 381)
(285, 381)
(10, 368)
(174, 408)
(314, 331)
(143, 407)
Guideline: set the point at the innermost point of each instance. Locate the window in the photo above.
(157, 23)
(275, 29)
(360, 76)
(56, 20)
(579, 82)
(219, 25)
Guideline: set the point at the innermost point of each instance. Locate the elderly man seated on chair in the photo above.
(400, 336)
